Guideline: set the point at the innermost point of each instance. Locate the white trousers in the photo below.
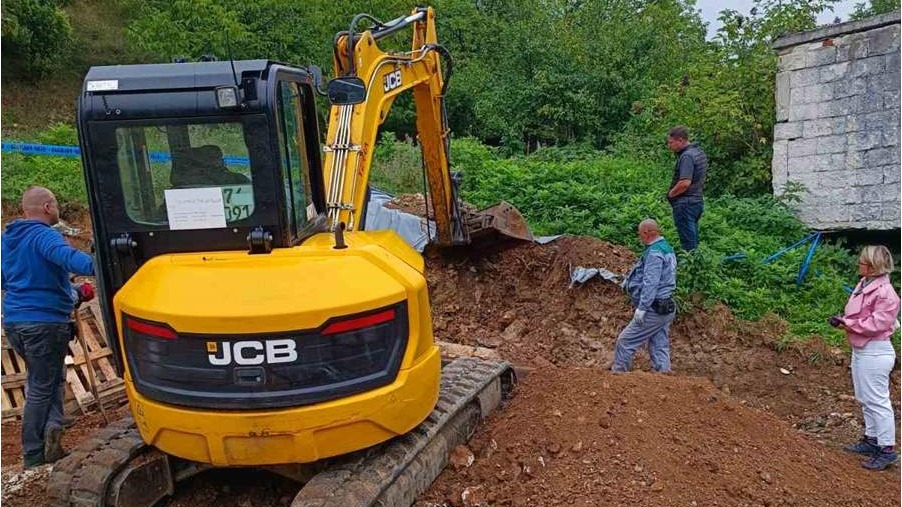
(871, 367)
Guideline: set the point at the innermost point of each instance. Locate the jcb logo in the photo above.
(391, 80)
(252, 352)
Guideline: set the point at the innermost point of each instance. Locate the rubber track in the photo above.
(395, 473)
(81, 478)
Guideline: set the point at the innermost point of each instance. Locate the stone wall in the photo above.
(836, 140)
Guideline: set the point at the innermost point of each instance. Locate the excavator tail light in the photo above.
(357, 323)
(151, 329)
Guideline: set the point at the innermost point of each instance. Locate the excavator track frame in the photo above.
(99, 472)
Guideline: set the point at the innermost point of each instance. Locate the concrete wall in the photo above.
(837, 130)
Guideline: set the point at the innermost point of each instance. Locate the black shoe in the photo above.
(867, 446)
(53, 444)
(33, 461)
(881, 459)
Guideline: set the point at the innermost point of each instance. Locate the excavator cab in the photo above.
(194, 157)
(229, 296)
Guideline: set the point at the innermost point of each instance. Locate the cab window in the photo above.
(156, 161)
(293, 156)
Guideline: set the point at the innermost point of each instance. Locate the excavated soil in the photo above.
(583, 436)
(520, 302)
(742, 421)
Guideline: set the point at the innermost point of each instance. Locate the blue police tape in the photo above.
(41, 149)
(56, 150)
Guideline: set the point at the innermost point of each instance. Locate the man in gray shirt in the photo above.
(650, 285)
(685, 193)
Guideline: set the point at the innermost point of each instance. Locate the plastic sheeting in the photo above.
(580, 275)
(409, 226)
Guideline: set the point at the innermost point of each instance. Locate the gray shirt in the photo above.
(691, 164)
(654, 275)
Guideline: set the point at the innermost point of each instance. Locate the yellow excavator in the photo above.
(256, 322)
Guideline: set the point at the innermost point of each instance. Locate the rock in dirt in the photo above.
(14, 484)
(461, 457)
(473, 496)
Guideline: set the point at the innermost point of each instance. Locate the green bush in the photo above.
(873, 8)
(36, 35)
(397, 166)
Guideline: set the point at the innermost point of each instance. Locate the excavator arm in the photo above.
(353, 128)
(369, 81)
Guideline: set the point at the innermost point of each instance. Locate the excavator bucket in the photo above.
(495, 223)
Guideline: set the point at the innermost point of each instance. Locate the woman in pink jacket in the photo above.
(869, 321)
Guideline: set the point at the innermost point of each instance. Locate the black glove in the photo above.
(835, 321)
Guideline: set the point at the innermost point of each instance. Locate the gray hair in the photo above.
(649, 223)
(679, 132)
(878, 257)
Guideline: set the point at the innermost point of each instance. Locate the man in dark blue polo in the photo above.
(685, 194)
(38, 300)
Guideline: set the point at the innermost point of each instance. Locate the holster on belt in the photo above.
(663, 306)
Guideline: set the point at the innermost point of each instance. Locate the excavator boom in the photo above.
(380, 77)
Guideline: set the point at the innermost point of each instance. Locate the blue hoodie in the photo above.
(35, 262)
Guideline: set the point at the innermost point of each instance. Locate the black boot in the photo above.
(867, 446)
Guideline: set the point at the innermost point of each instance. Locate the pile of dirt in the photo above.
(582, 436)
(518, 300)
(410, 203)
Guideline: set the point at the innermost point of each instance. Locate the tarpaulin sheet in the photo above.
(409, 226)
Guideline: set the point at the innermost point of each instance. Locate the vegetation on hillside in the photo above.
(560, 190)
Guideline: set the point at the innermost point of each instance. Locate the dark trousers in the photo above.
(686, 216)
(43, 345)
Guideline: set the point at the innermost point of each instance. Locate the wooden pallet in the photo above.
(79, 399)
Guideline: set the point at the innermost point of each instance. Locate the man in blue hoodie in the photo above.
(650, 286)
(38, 300)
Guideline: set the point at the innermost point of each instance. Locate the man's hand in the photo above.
(85, 292)
(639, 317)
(680, 188)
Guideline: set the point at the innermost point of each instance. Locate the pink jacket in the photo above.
(871, 312)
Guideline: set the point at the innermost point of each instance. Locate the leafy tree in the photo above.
(726, 97)
(873, 8)
(37, 36)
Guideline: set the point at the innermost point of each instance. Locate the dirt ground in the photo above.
(583, 436)
(742, 421)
